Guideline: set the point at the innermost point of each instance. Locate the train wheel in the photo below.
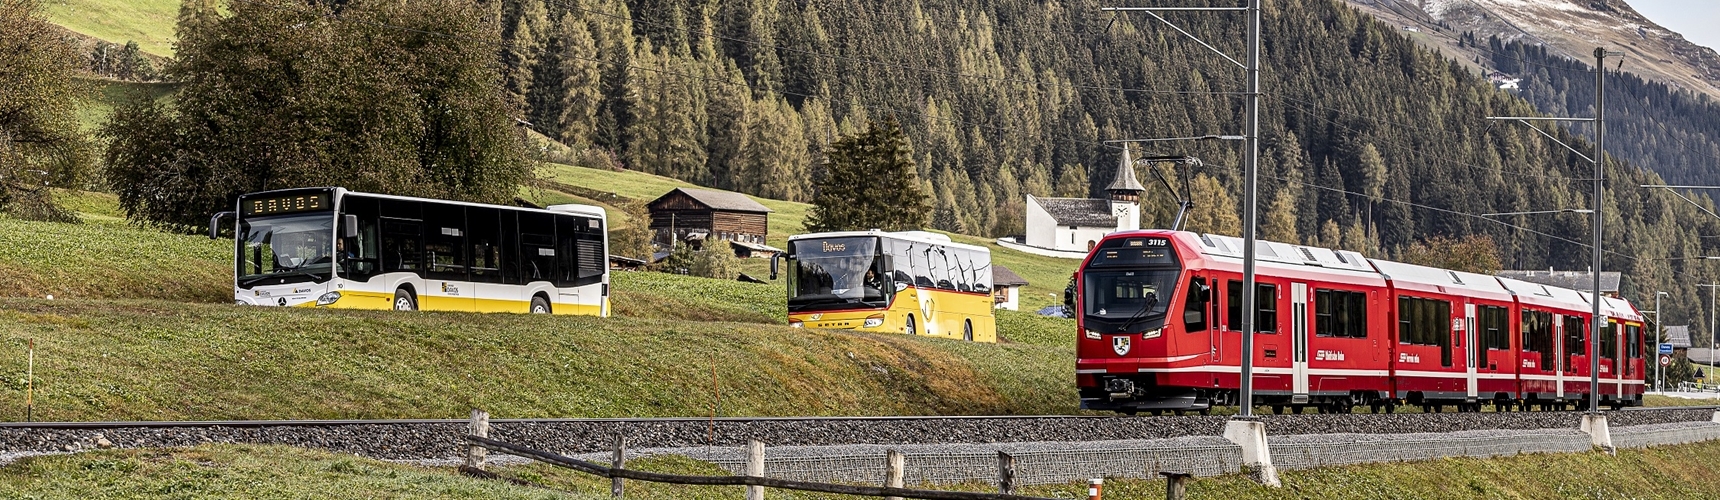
(1277, 409)
(1389, 408)
(1373, 407)
(1205, 411)
(1158, 413)
(1299, 408)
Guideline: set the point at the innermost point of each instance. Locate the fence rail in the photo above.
(754, 481)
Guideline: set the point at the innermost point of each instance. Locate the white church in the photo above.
(1069, 227)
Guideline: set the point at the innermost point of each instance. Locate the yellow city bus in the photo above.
(911, 282)
(329, 247)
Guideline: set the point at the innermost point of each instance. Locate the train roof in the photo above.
(1435, 280)
(1284, 253)
(927, 237)
(1619, 308)
(1536, 294)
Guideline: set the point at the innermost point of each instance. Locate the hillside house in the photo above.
(695, 216)
(1006, 288)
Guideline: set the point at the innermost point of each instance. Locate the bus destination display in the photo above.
(286, 204)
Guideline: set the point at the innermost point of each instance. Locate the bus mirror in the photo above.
(773, 259)
(215, 224)
(349, 226)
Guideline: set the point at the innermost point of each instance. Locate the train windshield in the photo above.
(1127, 301)
(837, 273)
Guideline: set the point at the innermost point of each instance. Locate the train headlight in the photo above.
(873, 321)
(328, 298)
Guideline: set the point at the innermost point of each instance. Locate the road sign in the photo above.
(1666, 348)
(1665, 360)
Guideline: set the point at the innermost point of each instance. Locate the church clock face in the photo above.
(1120, 210)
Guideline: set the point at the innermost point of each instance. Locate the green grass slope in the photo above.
(159, 360)
(148, 22)
(106, 258)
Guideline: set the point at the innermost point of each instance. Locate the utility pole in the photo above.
(1658, 329)
(1251, 166)
(1596, 320)
(1712, 290)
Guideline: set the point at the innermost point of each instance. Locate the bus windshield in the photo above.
(837, 273)
(286, 249)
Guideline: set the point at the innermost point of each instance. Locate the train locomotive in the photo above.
(1158, 314)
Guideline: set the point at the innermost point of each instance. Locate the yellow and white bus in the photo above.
(911, 282)
(329, 247)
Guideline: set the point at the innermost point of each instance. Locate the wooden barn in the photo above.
(694, 216)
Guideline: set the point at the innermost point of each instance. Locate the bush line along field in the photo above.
(249, 471)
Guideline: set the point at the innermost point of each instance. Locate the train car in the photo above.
(1549, 340)
(1453, 337)
(1158, 314)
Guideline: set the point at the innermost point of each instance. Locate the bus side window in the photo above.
(402, 236)
(510, 248)
(485, 238)
(445, 242)
(566, 250)
(537, 247)
(358, 258)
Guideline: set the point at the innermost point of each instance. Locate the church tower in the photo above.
(1125, 194)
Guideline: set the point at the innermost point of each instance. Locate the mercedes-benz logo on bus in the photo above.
(1120, 344)
(283, 303)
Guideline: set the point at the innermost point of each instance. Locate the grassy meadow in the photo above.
(148, 22)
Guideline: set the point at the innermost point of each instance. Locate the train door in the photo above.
(1619, 359)
(1299, 341)
(1469, 350)
(1559, 355)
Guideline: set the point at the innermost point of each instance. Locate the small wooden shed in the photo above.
(694, 216)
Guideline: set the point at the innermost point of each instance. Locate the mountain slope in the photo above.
(1570, 28)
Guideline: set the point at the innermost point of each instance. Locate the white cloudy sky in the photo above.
(1697, 20)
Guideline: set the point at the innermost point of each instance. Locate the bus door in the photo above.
(1299, 342)
(1469, 350)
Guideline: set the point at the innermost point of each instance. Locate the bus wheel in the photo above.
(403, 301)
(967, 330)
(539, 305)
(910, 326)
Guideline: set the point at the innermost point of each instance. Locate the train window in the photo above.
(1426, 322)
(1574, 336)
(1339, 313)
(1609, 341)
(1194, 305)
(1538, 336)
(1265, 303)
(1633, 337)
(1494, 330)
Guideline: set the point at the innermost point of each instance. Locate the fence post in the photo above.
(755, 467)
(479, 426)
(893, 472)
(1176, 484)
(1095, 487)
(1005, 473)
(618, 460)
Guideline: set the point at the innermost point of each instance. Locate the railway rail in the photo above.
(165, 424)
(438, 439)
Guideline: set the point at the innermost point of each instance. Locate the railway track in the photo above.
(420, 439)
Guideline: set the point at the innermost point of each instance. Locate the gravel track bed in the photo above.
(441, 440)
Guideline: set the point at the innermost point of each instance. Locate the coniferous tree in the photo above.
(870, 183)
(524, 36)
(581, 85)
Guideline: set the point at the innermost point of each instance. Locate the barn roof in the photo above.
(1678, 336)
(1081, 212)
(1580, 281)
(718, 200)
(1002, 276)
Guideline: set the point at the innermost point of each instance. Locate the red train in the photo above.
(1158, 313)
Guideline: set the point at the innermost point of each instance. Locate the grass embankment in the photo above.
(157, 360)
(148, 22)
(1683, 471)
(106, 258)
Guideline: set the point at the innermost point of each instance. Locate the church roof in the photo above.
(1124, 179)
(1080, 212)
